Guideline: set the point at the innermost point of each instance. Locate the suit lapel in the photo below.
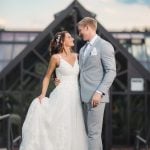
(89, 51)
(81, 56)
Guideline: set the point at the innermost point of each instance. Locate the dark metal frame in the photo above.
(140, 140)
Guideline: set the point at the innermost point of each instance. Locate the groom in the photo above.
(97, 72)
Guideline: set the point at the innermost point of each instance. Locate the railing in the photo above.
(10, 141)
(18, 138)
(9, 130)
(139, 140)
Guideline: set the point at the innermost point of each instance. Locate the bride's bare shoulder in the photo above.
(55, 58)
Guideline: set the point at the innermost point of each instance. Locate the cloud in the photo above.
(113, 14)
(145, 2)
(118, 16)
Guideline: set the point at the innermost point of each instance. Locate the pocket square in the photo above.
(94, 52)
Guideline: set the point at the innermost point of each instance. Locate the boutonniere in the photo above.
(93, 52)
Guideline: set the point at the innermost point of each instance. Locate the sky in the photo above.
(37, 14)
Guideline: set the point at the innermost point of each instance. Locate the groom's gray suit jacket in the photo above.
(97, 69)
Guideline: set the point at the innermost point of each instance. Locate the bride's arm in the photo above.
(52, 66)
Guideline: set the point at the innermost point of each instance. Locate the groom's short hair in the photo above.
(88, 21)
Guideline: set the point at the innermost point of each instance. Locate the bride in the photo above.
(56, 122)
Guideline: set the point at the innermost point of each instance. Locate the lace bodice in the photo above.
(67, 72)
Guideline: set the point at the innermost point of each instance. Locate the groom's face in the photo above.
(84, 32)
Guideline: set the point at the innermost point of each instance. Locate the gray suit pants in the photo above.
(94, 122)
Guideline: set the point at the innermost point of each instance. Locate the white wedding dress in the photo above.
(57, 123)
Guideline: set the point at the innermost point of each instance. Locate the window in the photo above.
(32, 36)
(7, 36)
(138, 52)
(3, 64)
(21, 37)
(17, 49)
(147, 41)
(6, 51)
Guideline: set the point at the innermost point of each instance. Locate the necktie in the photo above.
(86, 48)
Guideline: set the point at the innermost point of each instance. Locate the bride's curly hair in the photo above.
(56, 44)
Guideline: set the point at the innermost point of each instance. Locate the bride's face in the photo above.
(68, 40)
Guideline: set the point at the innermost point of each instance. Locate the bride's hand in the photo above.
(40, 98)
(56, 81)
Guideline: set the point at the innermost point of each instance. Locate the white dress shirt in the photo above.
(89, 44)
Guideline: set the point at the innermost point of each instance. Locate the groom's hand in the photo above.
(56, 81)
(96, 99)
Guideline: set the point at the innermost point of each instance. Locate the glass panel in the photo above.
(147, 41)
(119, 120)
(22, 37)
(138, 52)
(6, 51)
(7, 36)
(137, 36)
(3, 64)
(148, 52)
(122, 36)
(17, 49)
(32, 36)
(130, 50)
(146, 65)
(137, 116)
(137, 41)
